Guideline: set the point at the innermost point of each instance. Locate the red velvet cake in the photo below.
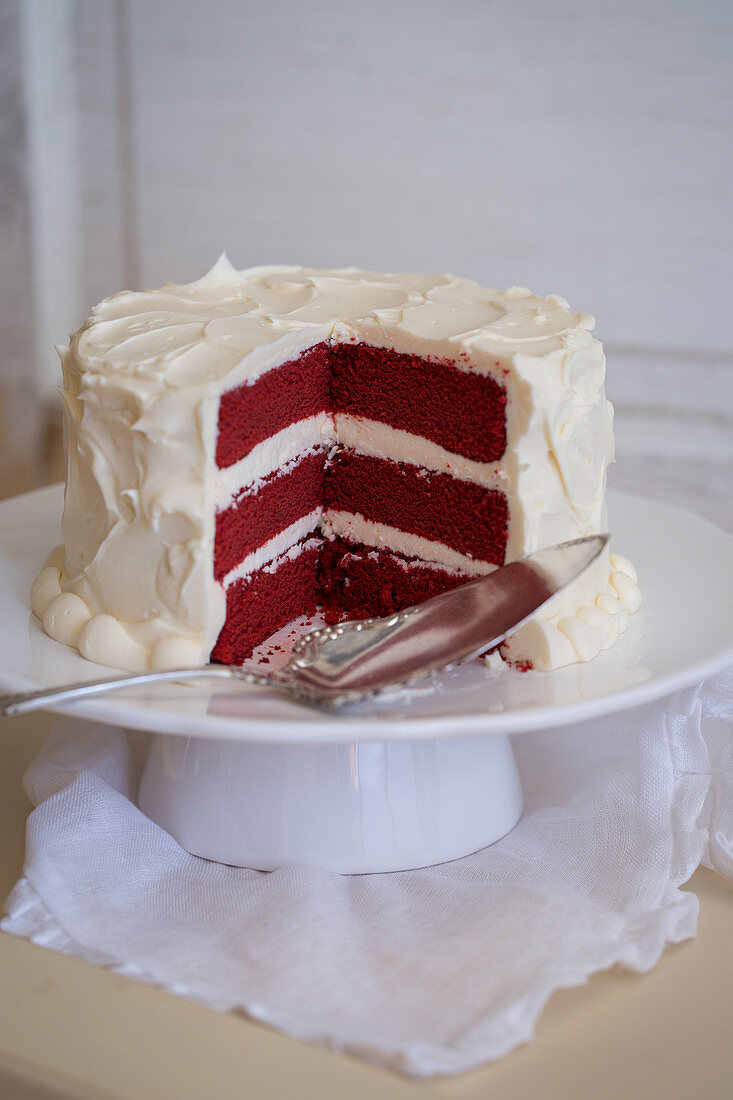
(256, 445)
(461, 412)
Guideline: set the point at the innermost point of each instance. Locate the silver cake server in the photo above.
(345, 663)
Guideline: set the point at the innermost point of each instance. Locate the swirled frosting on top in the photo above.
(134, 587)
(201, 331)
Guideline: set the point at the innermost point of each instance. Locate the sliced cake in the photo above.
(247, 448)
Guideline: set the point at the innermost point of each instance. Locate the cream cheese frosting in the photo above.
(142, 382)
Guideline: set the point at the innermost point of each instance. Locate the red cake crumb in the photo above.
(458, 409)
(259, 605)
(359, 582)
(251, 413)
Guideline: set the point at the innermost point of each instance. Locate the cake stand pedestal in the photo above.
(353, 808)
(252, 778)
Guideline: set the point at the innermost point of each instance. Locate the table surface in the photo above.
(71, 1029)
(68, 1029)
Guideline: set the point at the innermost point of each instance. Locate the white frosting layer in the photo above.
(278, 453)
(222, 327)
(383, 537)
(382, 441)
(284, 450)
(275, 548)
(142, 383)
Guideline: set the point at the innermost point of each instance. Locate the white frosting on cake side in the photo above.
(142, 383)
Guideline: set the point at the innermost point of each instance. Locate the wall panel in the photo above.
(582, 148)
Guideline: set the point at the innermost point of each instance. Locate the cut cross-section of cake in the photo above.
(247, 448)
(363, 448)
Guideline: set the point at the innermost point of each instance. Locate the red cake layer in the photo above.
(260, 604)
(460, 410)
(252, 413)
(359, 582)
(254, 518)
(467, 517)
(457, 409)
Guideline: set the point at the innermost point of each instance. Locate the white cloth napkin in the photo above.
(431, 971)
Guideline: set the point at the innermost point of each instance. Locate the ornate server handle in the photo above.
(21, 702)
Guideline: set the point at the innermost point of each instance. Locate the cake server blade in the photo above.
(344, 663)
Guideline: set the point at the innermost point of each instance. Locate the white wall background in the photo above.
(571, 146)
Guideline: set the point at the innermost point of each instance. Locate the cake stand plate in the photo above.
(410, 778)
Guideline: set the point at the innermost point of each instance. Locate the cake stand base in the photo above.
(353, 808)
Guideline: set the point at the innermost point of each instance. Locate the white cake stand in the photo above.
(244, 776)
(361, 806)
